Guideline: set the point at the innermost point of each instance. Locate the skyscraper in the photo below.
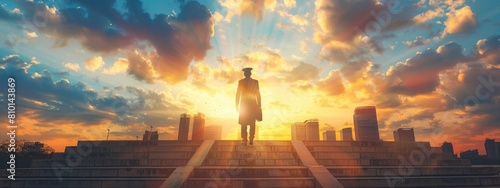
(469, 154)
(150, 136)
(492, 149)
(312, 129)
(307, 130)
(346, 134)
(183, 127)
(329, 136)
(213, 132)
(365, 123)
(198, 126)
(404, 135)
(298, 131)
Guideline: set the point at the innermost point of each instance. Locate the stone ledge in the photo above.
(251, 182)
(323, 177)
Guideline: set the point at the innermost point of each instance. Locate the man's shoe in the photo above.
(244, 142)
(251, 142)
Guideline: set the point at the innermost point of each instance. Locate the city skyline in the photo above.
(127, 65)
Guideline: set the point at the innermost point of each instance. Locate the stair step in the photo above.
(347, 171)
(252, 162)
(250, 172)
(98, 172)
(302, 182)
(82, 182)
(420, 181)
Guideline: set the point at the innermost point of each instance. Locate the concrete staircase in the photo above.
(265, 164)
(107, 164)
(393, 164)
(196, 164)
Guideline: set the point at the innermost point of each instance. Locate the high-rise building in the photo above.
(312, 129)
(213, 132)
(329, 136)
(298, 131)
(307, 130)
(447, 147)
(198, 126)
(365, 124)
(184, 127)
(150, 136)
(469, 154)
(396, 136)
(346, 134)
(404, 135)
(492, 148)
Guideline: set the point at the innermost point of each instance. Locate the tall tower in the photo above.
(447, 147)
(312, 129)
(491, 148)
(198, 126)
(298, 131)
(183, 127)
(365, 124)
(346, 134)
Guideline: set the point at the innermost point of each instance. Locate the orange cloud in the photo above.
(251, 8)
(93, 63)
(120, 66)
(72, 66)
(462, 21)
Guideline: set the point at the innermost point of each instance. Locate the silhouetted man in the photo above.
(248, 104)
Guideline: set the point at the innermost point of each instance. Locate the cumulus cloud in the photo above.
(428, 15)
(93, 63)
(419, 41)
(475, 91)
(13, 15)
(345, 37)
(420, 73)
(360, 48)
(488, 50)
(99, 27)
(335, 20)
(250, 8)
(227, 71)
(332, 84)
(52, 102)
(72, 66)
(14, 61)
(299, 20)
(289, 3)
(31, 35)
(201, 74)
(120, 66)
(462, 21)
(303, 72)
(356, 70)
(140, 66)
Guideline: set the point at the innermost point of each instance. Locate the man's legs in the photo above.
(252, 133)
(244, 133)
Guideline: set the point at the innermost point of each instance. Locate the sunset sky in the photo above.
(83, 66)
